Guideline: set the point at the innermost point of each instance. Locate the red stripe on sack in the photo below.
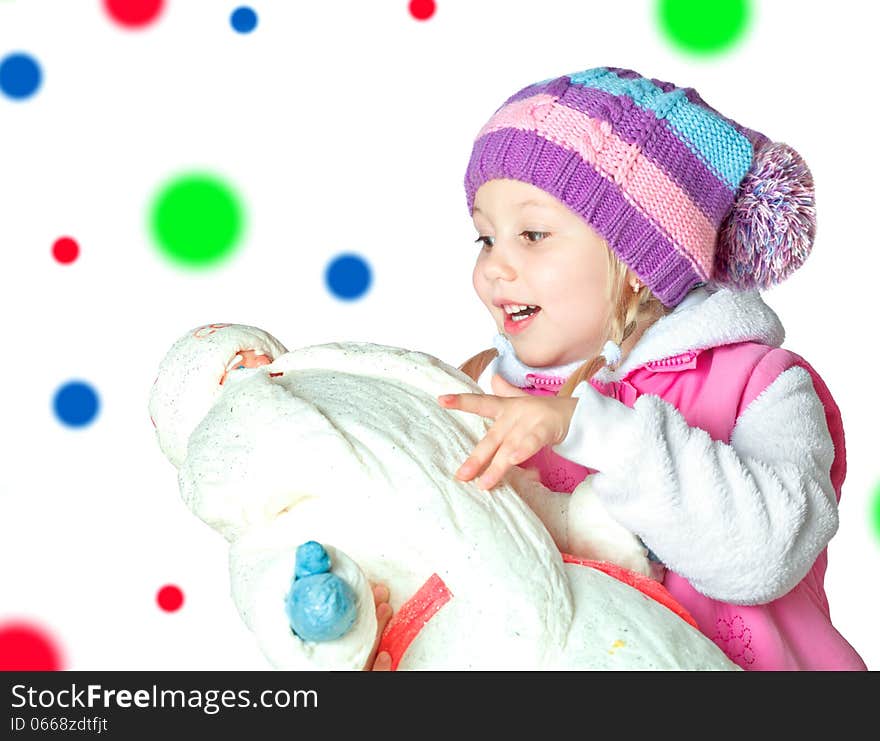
(412, 616)
(653, 589)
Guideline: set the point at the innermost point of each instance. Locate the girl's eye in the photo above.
(529, 237)
(543, 234)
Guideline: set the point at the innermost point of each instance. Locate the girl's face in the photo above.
(534, 251)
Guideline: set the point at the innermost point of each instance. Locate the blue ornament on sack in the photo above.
(311, 558)
(320, 606)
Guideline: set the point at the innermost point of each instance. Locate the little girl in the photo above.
(626, 226)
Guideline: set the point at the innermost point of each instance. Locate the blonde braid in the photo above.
(474, 366)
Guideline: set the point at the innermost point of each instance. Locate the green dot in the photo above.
(196, 219)
(704, 27)
(875, 510)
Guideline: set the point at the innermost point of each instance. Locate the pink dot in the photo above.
(170, 598)
(27, 647)
(65, 250)
(422, 9)
(134, 13)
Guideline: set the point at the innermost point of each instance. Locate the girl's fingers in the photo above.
(380, 594)
(480, 455)
(485, 405)
(383, 615)
(501, 464)
(510, 453)
(524, 449)
(501, 458)
(382, 662)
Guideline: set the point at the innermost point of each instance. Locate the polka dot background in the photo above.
(314, 189)
(20, 75)
(243, 19)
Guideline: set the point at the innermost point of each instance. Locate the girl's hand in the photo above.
(523, 425)
(382, 662)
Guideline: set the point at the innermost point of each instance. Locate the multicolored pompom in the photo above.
(770, 230)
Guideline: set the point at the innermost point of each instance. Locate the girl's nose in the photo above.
(497, 265)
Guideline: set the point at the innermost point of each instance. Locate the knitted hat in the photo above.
(681, 194)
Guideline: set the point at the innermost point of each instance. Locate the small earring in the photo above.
(636, 287)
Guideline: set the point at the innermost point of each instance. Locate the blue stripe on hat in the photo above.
(706, 134)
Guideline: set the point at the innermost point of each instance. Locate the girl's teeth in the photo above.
(513, 308)
(523, 316)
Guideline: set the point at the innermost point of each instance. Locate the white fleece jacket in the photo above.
(743, 522)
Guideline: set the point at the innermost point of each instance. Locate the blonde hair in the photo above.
(628, 309)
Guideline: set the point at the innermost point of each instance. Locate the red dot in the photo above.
(65, 250)
(134, 13)
(170, 598)
(26, 647)
(422, 9)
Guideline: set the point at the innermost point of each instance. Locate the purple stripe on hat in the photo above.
(623, 73)
(664, 148)
(554, 87)
(641, 244)
(666, 87)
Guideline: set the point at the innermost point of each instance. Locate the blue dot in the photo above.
(76, 403)
(20, 75)
(243, 19)
(348, 276)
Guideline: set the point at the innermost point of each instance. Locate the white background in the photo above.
(346, 126)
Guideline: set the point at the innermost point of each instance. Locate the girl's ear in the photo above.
(475, 365)
(633, 281)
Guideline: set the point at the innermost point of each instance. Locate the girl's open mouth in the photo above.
(518, 321)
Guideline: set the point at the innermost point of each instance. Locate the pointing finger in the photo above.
(485, 405)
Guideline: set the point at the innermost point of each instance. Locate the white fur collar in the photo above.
(514, 370)
(708, 316)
